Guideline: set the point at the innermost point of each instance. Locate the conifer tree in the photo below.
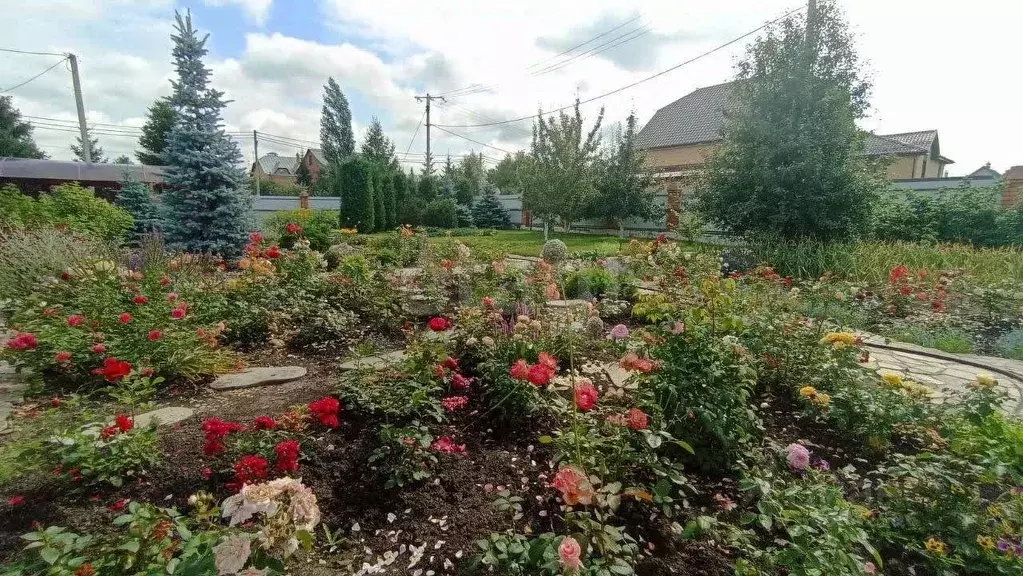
(336, 135)
(137, 199)
(206, 203)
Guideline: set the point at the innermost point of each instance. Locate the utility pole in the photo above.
(255, 145)
(429, 158)
(86, 143)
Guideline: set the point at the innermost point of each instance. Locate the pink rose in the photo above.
(569, 552)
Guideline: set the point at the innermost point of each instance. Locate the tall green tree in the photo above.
(16, 134)
(353, 182)
(336, 137)
(377, 147)
(563, 173)
(95, 151)
(792, 161)
(379, 186)
(509, 173)
(206, 206)
(470, 177)
(624, 184)
(159, 120)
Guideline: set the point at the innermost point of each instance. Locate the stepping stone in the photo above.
(258, 376)
(375, 362)
(165, 416)
(617, 374)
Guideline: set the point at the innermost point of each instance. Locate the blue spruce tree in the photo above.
(206, 204)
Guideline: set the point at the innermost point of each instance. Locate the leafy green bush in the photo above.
(944, 339)
(272, 188)
(317, 226)
(592, 282)
(67, 205)
(1010, 344)
(442, 213)
(967, 215)
(705, 388)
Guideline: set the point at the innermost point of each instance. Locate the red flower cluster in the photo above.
(62, 356)
(154, 335)
(633, 362)
(264, 423)
(99, 348)
(75, 319)
(446, 445)
(452, 403)
(539, 374)
(119, 505)
(23, 341)
(447, 264)
(325, 410)
(439, 324)
(216, 430)
(272, 252)
(113, 369)
(179, 312)
(122, 423)
(489, 302)
(125, 318)
(140, 299)
(459, 382)
(287, 456)
(249, 468)
(898, 274)
(293, 228)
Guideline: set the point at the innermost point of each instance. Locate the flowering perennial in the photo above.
(325, 410)
(574, 486)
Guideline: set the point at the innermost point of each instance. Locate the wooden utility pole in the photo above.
(255, 146)
(77, 83)
(427, 98)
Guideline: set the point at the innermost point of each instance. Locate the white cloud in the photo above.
(257, 10)
(936, 65)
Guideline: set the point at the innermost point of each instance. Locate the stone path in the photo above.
(258, 376)
(946, 371)
(12, 388)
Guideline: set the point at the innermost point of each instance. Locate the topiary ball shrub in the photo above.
(738, 259)
(554, 251)
(594, 326)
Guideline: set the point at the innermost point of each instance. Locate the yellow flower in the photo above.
(936, 546)
(986, 542)
(893, 379)
(866, 514)
(821, 399)
(845, 338)
(807, 391)
(986, 381)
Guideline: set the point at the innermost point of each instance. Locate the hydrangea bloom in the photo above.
(797, 456)
(231, 555)
(619, 332)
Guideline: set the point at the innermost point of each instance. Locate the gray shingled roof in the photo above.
(274, 161)
(694, 118)
(318, 154)
(63, 170)
(699, 116)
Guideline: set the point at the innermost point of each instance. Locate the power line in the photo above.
(477, 88)
(61, 61)
(75, 122)
(471, 140)
(414, 134)
(594, 51)
(483, 118)
(32, 53)
(69, 124)
(636, 83)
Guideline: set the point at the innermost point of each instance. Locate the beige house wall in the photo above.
(660, 158)
(905, 167)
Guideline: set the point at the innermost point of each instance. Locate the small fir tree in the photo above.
(96, 153)
(377, 147)
(15, 134)
(488, 212)
(137, 199)
(206, 206)
(160, 119)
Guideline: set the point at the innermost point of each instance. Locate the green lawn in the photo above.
(529, 243)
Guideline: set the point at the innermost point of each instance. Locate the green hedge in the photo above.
(67, 205)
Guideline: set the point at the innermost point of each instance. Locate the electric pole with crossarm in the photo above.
(429, 157)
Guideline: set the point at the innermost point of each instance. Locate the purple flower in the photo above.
(1018, 490)
(619, 332)
(1004, 545)
(822, 464)
(798, 456)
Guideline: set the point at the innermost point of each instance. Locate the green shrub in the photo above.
(594, 281)
(554, 251)
(353, 182)
(488, 212)
(442, 213)
(272, 188)
(67, 205)
(1010, 344)
(318, 226)
(945, 339)
(705, 390)
(964, 214)
(27, 257)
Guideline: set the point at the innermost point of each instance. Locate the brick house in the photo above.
(273, 166)
(315, 162)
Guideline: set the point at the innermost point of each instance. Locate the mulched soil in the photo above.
(447, 513)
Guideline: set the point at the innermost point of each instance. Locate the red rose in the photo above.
(99, 348)
(519, 370)
(325, 411)
(154, 335)
(540, 374)
(125, 318)
(549, 361)
(109, 432)
(23, 341)
(140, 299)
(273, 252)
(459, 382)
(248, 468)
(293, 228)
(585, 396)
(63, 356)
(439, 324)
(450, 363)
(172, 296)
(264, 423)
(124, 422)
(75, 319)
(178, 313)
(113, 369)
(256, 237)
(636, 419)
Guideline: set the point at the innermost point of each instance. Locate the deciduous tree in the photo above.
(336, 135)
(16, 134)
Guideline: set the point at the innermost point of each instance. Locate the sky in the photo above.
(935, 64)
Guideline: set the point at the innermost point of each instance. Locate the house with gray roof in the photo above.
(273, 166)
(682, 134)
